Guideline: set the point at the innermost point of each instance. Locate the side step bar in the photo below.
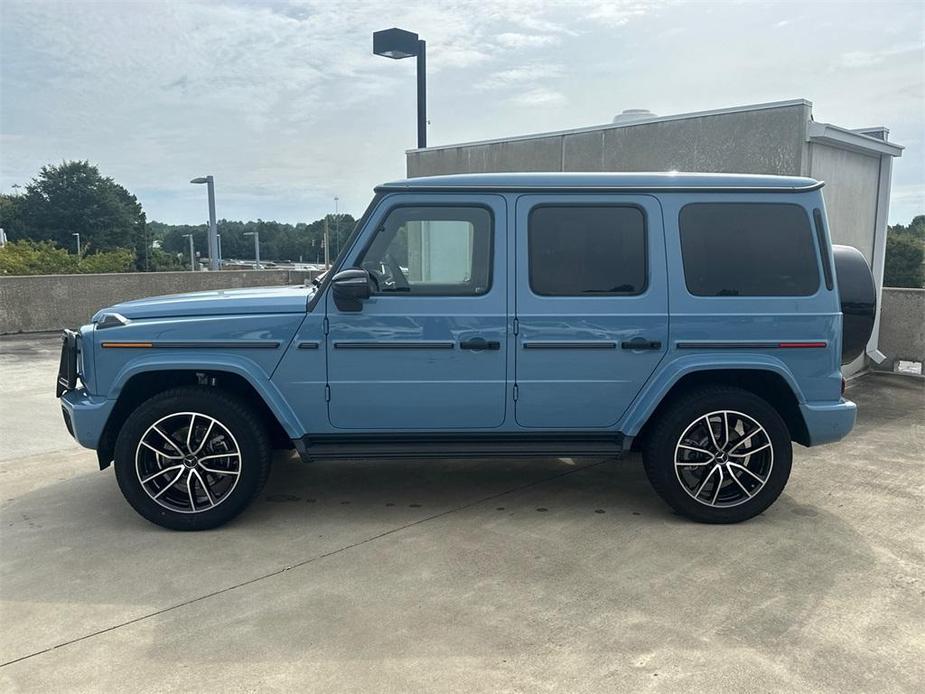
(427, 446)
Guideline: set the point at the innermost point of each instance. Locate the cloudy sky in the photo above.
(285, 105)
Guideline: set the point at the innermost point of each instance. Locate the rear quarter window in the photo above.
(748, 249)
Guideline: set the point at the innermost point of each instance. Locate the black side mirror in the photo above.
(350, 288)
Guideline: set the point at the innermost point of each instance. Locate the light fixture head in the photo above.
(200, 179)
(395, 43)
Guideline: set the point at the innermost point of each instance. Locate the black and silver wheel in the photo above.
(719, 455)
(191, 458)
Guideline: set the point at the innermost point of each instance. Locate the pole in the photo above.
(336, 220)
(214, 253)
(192, 254)
(422, 93)
(257, 249)
(219, 237)
(77, 234)
(327, 257)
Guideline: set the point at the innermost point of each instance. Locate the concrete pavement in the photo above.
(552, 575)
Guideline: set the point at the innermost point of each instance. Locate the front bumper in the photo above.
(829, 422)
(85, 416)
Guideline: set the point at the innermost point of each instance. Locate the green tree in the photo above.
(905, 250)
(73, 197)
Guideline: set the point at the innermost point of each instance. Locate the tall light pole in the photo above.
(192, 252)
(219, 237)
(327, 243)
(397, 44)
(77, 235)
(336, 221)
(256, 235)
(213, 230)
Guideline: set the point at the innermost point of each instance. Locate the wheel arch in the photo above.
(142, 384)
(768, 382)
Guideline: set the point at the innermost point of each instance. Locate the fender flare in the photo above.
(654, 392)
(215, 362)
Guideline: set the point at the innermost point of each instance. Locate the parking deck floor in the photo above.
(495, 575)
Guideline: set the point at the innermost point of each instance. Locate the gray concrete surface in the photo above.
(902, 325)
(37, 303)
(496, 576)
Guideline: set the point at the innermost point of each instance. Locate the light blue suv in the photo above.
(697, 317)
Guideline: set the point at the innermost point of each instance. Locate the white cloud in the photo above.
(516, 40)
(539, 96)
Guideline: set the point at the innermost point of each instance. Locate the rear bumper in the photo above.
(829, 422)
(85, 416)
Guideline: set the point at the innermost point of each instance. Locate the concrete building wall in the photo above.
(751, 140)
(53, 302)
(902, 325)
(851, 188)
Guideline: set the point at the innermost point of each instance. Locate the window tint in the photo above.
(748, 249)
(578, 250)
(436, 251)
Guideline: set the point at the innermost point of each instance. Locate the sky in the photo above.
(285, 105)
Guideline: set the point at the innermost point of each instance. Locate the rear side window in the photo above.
(586, 250)
(748, 249)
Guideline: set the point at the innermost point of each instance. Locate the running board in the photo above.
(428, 446)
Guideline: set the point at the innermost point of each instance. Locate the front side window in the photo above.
(432, 251)
(583, 250)
(748, 249)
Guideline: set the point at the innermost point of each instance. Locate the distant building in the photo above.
(775, 138)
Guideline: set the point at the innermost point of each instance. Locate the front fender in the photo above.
(679, 367)
(211, 361)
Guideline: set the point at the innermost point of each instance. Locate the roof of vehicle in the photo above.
(670, 181)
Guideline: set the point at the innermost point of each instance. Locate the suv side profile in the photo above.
(701, 318)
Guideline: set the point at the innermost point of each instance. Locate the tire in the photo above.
(705, 437)
(198, 489)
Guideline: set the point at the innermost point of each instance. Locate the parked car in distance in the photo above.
(701, 318)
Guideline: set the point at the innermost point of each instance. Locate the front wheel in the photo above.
(191, 458)
(719, 455)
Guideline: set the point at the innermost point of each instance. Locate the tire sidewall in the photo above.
(660, 451)
(234, 415)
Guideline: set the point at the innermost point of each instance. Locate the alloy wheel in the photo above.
(188, 462)
(723, 458)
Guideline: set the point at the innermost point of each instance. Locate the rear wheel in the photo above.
(192, 458)
(719, 455)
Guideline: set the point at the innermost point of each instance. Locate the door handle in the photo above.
(641, 343)
(480, 343)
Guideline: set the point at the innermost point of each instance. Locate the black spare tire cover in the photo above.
(858, 297)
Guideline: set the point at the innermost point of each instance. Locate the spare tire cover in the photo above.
(858, 297)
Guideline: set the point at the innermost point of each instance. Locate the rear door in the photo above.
(429, 349)
(591, 306)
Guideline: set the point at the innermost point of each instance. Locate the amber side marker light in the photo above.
(134, 345)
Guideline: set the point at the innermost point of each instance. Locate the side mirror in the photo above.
(350, 288)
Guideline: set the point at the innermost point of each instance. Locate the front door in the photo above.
(428, 349)
(591, 306)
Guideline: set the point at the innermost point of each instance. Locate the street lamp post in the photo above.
(192, 252)
(397, 44)
(213, 230)
(219, 237)
(77, 235)
(256, 235)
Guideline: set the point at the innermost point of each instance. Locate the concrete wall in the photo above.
(902, 325)
(851, 188)
(764, 140)
(53, 302)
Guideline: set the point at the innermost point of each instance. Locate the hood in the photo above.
(216, 303)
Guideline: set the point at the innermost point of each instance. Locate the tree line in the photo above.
(64, 200)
